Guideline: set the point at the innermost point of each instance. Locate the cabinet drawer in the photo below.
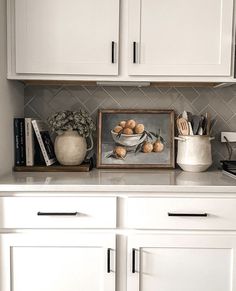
(57, 212)
(181, 213)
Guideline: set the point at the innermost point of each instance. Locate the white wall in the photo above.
(11, 100)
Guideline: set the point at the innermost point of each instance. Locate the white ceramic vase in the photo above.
(71, 148)
(194, 152)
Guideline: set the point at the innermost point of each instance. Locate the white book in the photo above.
(45, 142)
(29, 142)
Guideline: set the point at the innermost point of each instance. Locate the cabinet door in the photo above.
(67, 37)
(182, 263)
(57, 262)
(180, 37)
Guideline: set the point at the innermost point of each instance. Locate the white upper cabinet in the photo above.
(180, 37)
(121, 40)
(73, 37)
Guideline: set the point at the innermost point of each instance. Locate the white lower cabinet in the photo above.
(182, 262)
(57, 262)
(98, 244)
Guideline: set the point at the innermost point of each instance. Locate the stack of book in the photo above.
(33, 144)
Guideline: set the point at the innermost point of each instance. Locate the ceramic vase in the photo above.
(71, 148)
(194, 152)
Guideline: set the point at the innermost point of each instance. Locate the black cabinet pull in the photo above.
(113, 52)
(188, 214)
(133, 261)
(109, 260)
(57, 213)
(134, 52)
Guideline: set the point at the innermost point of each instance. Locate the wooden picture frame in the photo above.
(122, 148)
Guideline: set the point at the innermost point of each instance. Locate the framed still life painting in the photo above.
(135, 139)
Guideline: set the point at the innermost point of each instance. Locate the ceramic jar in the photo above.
(194, 152)
(71, 148)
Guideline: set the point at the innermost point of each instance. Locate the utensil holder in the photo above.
(194, 152)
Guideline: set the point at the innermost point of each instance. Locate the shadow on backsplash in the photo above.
(42, 101)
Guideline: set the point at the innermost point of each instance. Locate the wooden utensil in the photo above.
(183, 126)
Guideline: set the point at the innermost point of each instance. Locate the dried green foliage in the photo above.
(72, 120)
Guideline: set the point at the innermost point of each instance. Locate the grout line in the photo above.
(77, 97)
(231, 117)
(125, 91)
(92, 112)
(91, 94)
(32, 109)
(143, 91)
(111, 96)
(30, 100)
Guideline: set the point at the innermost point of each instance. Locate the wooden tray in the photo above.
(85, 167)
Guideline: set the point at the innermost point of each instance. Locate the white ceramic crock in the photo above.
(71, 148)
(194, 152)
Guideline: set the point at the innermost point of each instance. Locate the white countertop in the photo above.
(119, 181)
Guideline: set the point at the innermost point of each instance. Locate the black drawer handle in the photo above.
(134, 52)
(109, 260)
(57, 213)
(133, 260)
(188, 214)
(112, 52)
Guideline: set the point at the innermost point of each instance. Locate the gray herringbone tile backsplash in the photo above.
(41, 101)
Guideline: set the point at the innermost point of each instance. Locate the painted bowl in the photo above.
(128, 140)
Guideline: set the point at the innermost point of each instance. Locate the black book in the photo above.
(44, 141)
(19, 139)
(38, 156)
